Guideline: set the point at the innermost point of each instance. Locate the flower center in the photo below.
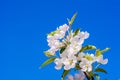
(87, 65)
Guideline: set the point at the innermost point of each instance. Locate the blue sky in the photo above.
(25, 23)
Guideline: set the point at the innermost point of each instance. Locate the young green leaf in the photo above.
(98, 53)
(72, 19)
(101, 70)
(47, 62)
(88, 47)
(105, 50)
(76, 32)
(90, 58)
(48, 54)
(65, 72)
(53, 33)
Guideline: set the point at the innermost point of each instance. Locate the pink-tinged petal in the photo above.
(58, 67)
(105, 61)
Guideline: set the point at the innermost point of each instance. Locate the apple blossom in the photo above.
(100, 60)
(86, 65)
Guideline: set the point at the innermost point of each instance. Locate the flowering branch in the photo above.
(67, 51)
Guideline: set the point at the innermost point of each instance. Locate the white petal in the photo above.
(58, 67)
(66, 67)
(73, 65)
(64, 27)
(57, 61)
(86, 35)
(89, 68)
(101, 60)
(84, 69)
(81, 41)
(105, 61)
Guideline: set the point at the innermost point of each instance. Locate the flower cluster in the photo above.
(54, 39)
(67, 51)
(72, 44)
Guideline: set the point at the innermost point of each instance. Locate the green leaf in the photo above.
(72, 19)
(95, 74)
(65, 72)
(76, 32)
(54, 32)
(101, 70)
(90, 73)
(88, 47)
(98, 53)
(62, 49)
(47, 62)
(105, 50)
(48, 54)
(90, 58)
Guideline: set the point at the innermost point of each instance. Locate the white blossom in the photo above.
(70, 62)
(86, 65)
(54, 39)
(61, 31)
(64, 28)
(74, 45)
(83, 35)
(100, 60)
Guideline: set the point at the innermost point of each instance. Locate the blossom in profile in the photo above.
(100, 60)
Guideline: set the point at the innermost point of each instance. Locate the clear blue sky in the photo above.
(25, 23)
